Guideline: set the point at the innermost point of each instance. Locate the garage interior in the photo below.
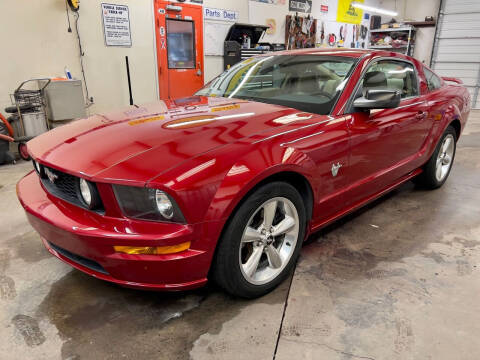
(396, 279)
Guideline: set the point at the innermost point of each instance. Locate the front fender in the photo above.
(245, 174)
(209, 187)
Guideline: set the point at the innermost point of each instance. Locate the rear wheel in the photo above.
(437, 169)
(261, 242)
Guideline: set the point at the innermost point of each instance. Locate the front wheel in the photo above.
(437, 169)
(261, 242)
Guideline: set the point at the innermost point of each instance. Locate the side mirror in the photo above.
(378, 99)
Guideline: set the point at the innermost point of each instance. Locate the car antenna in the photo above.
(129, 82)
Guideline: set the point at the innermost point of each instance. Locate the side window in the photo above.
(433, 81)
(390, 74)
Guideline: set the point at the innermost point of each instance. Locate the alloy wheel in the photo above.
(445, 158)
(268, 241)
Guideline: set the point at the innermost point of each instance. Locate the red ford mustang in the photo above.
(228, 183)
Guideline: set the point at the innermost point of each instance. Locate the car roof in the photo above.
(355, 53)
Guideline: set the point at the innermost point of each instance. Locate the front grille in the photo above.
(90, 264)
(63, 186)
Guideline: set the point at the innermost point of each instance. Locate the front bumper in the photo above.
(85, 240)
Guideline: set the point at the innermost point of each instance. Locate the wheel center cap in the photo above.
(267, 238)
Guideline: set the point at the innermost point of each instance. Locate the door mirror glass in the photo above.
(378, 99)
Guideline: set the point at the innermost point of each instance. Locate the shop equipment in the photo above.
(6, 133)
(234, 49)
(300, 32)
(28, 117)
(399, 39)
(63, 99)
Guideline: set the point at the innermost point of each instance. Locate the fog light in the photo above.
(153, 250)
(85, 192)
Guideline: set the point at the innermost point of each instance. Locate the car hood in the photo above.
(138, 143)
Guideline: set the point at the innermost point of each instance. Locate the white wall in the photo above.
(417, 10)
(35, 43)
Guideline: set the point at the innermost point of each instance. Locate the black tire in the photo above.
(226, 267)
(22, 151)
(23, 108)
(428, 178)
(11, 109)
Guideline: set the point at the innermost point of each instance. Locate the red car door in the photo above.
(327, 144)
(384, 142)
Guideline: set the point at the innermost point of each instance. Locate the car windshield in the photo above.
(309, 83)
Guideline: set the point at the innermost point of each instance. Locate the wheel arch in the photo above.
(457, 125)
(296, 179)
(453, 117)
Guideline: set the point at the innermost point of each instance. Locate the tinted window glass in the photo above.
(390, 74)
(306, 82)
(433, 81)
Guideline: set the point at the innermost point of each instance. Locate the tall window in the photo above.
(180, 44)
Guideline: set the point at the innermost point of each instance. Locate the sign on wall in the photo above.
(116, 25)
(304, 6)
(346, 13)
(215, 32)
(219, 14)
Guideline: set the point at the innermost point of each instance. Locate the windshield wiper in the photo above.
(252, 98)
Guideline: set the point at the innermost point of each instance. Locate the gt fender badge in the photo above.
(335, 168)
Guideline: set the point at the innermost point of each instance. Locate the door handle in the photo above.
(199, 71)
(421, 115)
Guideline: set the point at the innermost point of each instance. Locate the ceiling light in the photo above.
(374, 9)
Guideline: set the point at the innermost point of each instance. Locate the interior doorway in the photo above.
(179, 38)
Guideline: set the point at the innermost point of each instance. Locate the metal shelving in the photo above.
(387, 47)
(404, 28)
(406, 49)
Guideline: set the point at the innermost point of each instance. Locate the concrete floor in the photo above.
(396, 280)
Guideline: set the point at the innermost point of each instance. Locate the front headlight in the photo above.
(147, 204)
(164, 204)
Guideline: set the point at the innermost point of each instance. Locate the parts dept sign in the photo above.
(116, 25)
(220, 14)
